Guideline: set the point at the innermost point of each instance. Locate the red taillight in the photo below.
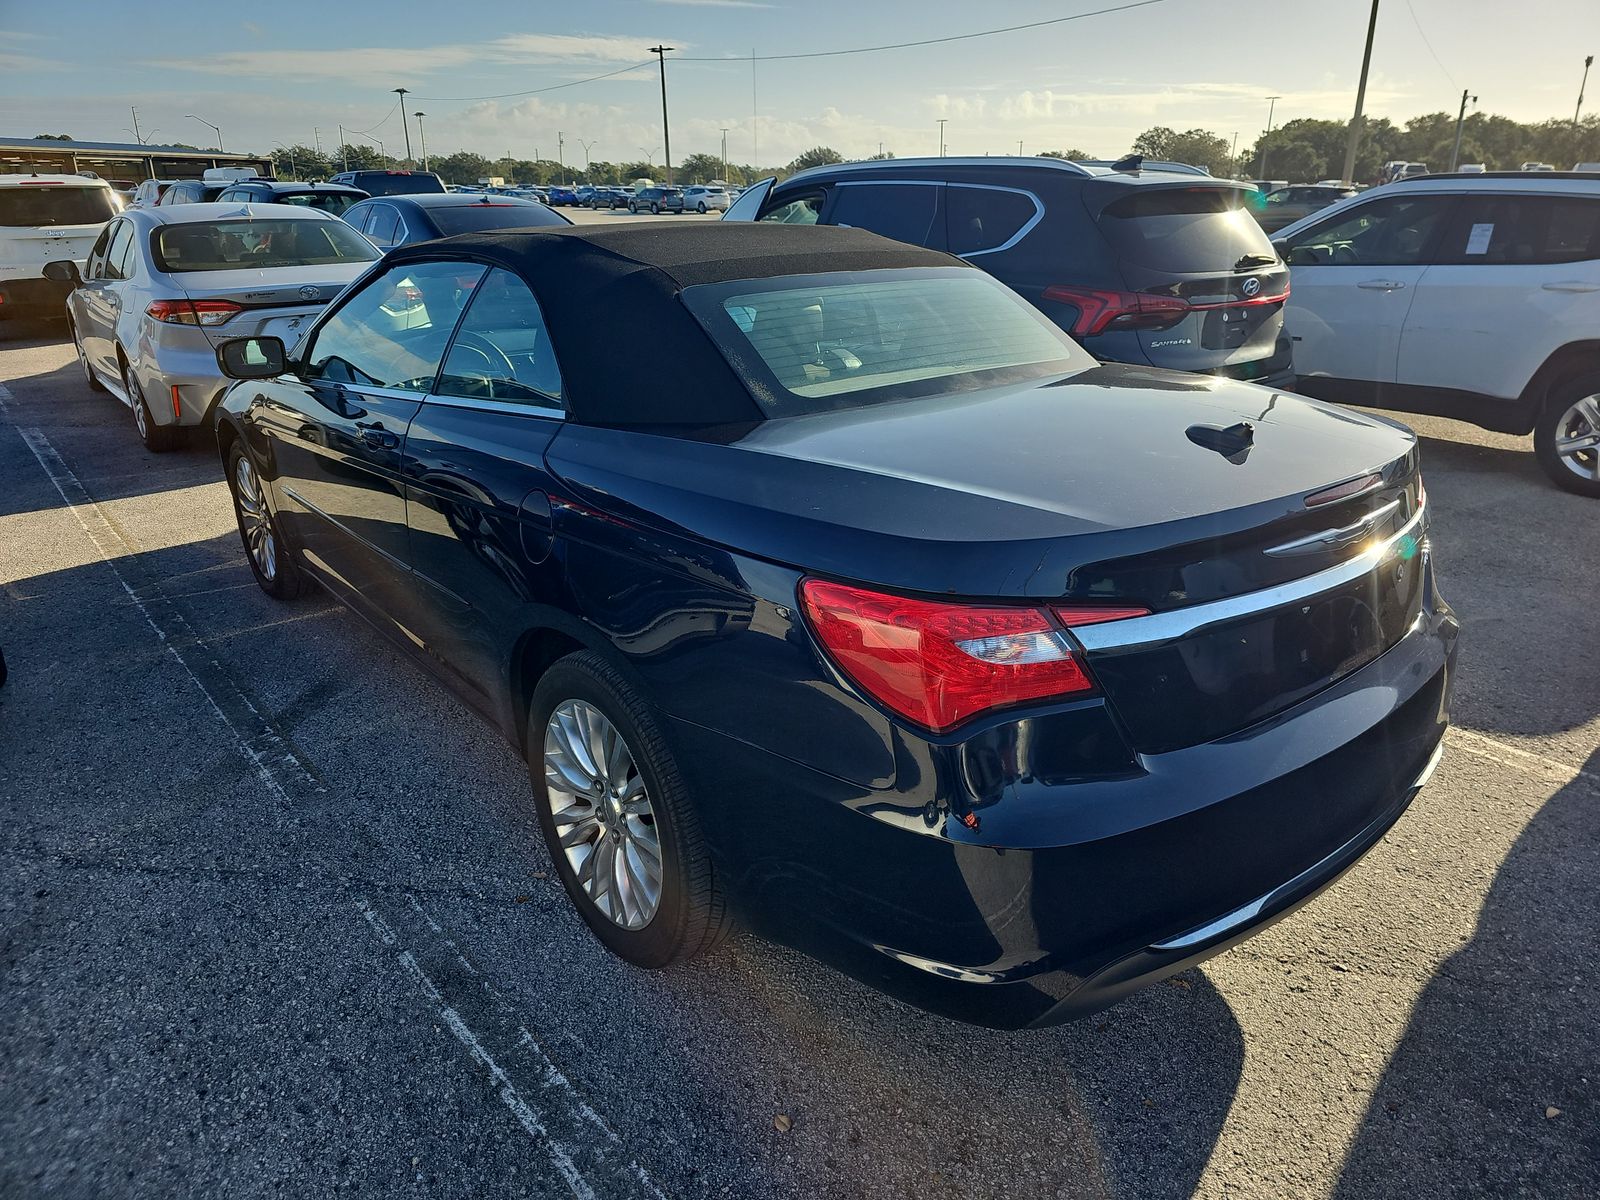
(939, 664)
(192, 312)
(1100, 309)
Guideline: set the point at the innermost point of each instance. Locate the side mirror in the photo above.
(63, 270)
(252, 358)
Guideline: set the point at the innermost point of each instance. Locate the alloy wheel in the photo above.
(141, 416)
(254, 519)
(1577, 440)
(601, 810)
(83, 359)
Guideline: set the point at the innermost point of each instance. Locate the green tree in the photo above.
(299, 162)
(52, 137)
(880, 156)
(357, 158)
(463, 167)
(1072, 155)
(817, 156)
(698, 168)
(1197, 147)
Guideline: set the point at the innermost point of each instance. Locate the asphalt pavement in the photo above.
(276, 919)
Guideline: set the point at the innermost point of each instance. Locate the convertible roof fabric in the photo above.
(630, 353)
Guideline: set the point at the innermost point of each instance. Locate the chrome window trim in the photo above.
(554, 409)
(1163, 627)
(894, 164)
(1027, 227)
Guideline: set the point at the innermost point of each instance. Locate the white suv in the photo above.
(1467, 296)
(44, 218)
(703, 197)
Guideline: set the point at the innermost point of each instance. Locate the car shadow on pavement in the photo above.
(1492, 1089)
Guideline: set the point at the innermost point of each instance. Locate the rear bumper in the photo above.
(29, 296)
(185, 360)
(995, 885)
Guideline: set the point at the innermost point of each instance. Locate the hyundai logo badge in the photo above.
(1251, 286)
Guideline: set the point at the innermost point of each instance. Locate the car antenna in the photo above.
(1128, 162)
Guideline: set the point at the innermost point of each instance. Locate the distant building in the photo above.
(120, 163)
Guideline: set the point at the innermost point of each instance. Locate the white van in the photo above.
(44, 218)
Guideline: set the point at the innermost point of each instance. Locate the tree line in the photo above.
(1299, 150)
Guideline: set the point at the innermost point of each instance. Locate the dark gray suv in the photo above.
(1140, 266)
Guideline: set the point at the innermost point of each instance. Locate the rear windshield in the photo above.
(32, 206)
(469, 217)
(396, 183)
(333, 203)
(1185, 229)
(807, 343)
(234, 245)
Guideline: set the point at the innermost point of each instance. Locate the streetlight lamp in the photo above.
(404, 124)
(1461, 117)
(666, 137)
(1587, 63)
(1261, 157)
(649, 155)
(586, 147)
(423, 137)
(724, 154)
(208, 125)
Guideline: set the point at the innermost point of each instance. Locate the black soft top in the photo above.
(630, 353)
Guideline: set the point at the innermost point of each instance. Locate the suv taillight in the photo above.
(939, 664)
(1100, 309)
(192, 312)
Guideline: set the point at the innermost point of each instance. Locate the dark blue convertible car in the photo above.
(827, 584)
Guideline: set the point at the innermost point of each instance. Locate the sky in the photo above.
(293, 71)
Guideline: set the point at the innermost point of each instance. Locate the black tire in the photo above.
(157, 439)
(1562, 417)
(655, 209)
(89, 376)
(701, 208)
(281, 578)
(634, 209)
(692, 914)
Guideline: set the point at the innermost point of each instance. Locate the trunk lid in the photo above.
(1094, 489)
(276, 301)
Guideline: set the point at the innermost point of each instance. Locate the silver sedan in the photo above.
(162, 286)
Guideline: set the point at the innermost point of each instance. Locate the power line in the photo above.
(556, 87)
(1424, 36)
(955, 37)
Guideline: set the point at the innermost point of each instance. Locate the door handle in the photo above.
(375, 435)
(1570, 285)
(1381, 285)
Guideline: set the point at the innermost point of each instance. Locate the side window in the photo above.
(979, 220)
(502, 350)
(117, 255)
(802, 211)
(1397, 231)
(392, 332)
(1509, 230)
(905, 212)
(360, 220)
(95, 266)
(383, 225)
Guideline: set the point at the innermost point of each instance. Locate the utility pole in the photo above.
(1354, 141)
(1461, 117)
(404, 124)
(724, 155)
(1019, 147)
(137, 136)
(423, 138)
(942, 120)
(666, 137)
(316, 137)
(755, 118)
(1261, 156)
(561, 152)
(1587, 63)
(1233, 152)
(344, 154)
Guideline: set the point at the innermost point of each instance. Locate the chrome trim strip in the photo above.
(1332, 539)
(1027, 228)
(1247, 913)
(1162, 627)
(553, 411)
(890, 164)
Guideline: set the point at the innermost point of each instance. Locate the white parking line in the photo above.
(1518, 759)
(566, 1107)
(274, 763)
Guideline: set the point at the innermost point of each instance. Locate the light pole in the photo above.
(724, 155)
(1587, 63)
(666, 137)
(942, 120)
(210, 127)
(561, 154)
(344, 153)
(1353, 143)
(290, 153)
(1261, 158)
(1019, 147)
(423, 138)
(649, 156)
(404, 124)
(1461, 117)
(586, 147)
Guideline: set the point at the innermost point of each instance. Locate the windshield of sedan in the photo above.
(807, 343)
(468, 218)
(244, 243)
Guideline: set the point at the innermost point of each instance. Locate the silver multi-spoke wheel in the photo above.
(141, 418)
(1577, 439)
(254, 520)
(602, 814)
